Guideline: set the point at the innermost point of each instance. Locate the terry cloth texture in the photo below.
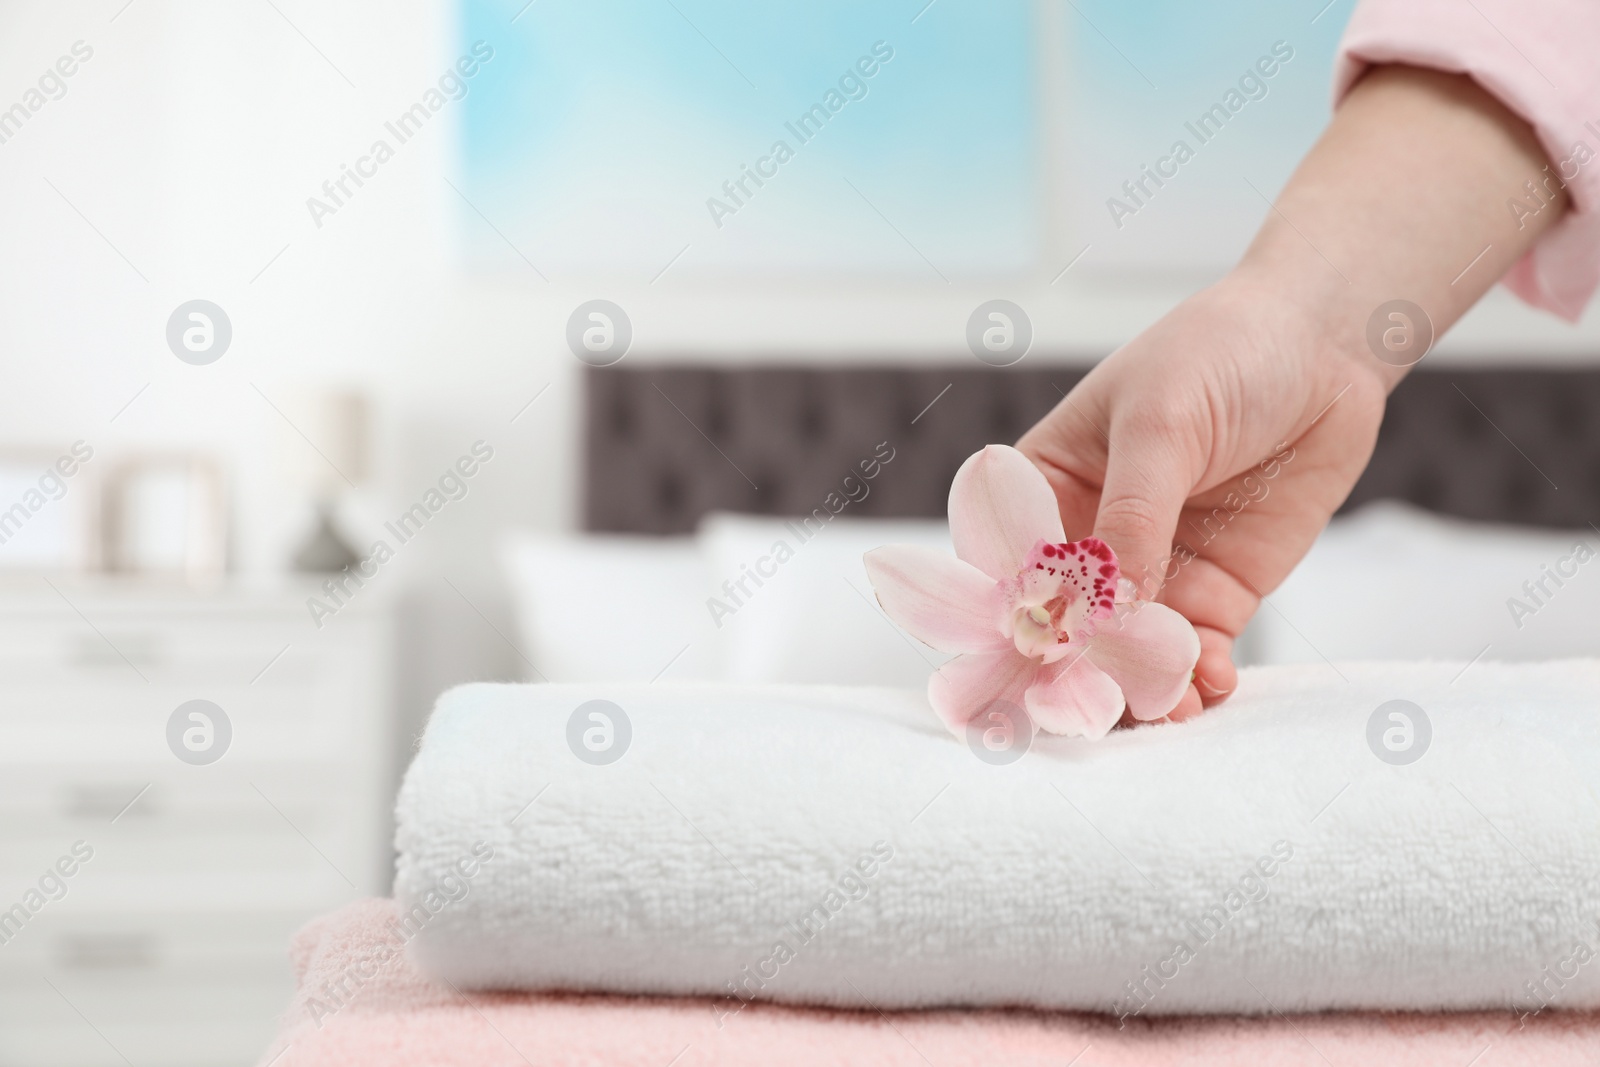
(837, 847)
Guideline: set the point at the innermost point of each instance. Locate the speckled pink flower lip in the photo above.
(1037, 620)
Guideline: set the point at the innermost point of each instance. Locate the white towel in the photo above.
(837, 847)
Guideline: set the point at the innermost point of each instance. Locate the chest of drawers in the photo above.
(168, 943)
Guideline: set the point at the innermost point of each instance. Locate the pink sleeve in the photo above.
(1542, 61)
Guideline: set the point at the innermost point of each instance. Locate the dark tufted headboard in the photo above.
(664, 445)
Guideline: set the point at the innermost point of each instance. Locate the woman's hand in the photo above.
(1211, 449)
(1209, 452)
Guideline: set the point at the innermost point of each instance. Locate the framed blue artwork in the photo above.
(917, 142)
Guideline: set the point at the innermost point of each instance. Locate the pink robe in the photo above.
(1541, 59)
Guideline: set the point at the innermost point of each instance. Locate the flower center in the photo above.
(1062, 591)
(1037, 629)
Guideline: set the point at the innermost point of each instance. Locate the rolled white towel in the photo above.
(837, 847)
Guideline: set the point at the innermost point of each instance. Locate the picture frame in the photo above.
(49, 508)
(165, 514)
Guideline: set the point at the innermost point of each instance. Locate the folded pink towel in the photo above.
(359, 1001)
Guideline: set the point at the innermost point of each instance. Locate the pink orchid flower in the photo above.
(1037, 619)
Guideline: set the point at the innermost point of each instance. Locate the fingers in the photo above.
(1069, 446)
(1208, 594)
(1215, 676)
(1187, 708)
(1148, 477)
(1076, 498)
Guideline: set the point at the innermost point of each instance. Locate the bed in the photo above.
(1480, 499)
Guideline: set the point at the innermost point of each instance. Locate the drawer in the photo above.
(116, 725)
(226, 650)
(74, 798)
(67, 648)
(103, 945)
(201, 1024)
(121, 718)
(300, 829)
(210, 1041)
(164, 988)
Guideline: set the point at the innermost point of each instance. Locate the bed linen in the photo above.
(1300, 850)
(396, 1017)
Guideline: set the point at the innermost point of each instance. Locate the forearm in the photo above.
(1405, 197)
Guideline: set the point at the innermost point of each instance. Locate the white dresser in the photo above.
(168, 945)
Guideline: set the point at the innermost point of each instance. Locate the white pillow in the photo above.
(1394, 582)
(612, 608)
(792, 602)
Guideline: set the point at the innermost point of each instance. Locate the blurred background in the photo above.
(354, 351)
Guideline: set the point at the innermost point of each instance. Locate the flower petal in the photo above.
(965, 687)
(940, 600)
(1074, 697)
(1000, 506)
(1149, 650)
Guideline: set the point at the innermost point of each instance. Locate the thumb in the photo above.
(1147, 481)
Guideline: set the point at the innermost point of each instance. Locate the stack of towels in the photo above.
(825, 875)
